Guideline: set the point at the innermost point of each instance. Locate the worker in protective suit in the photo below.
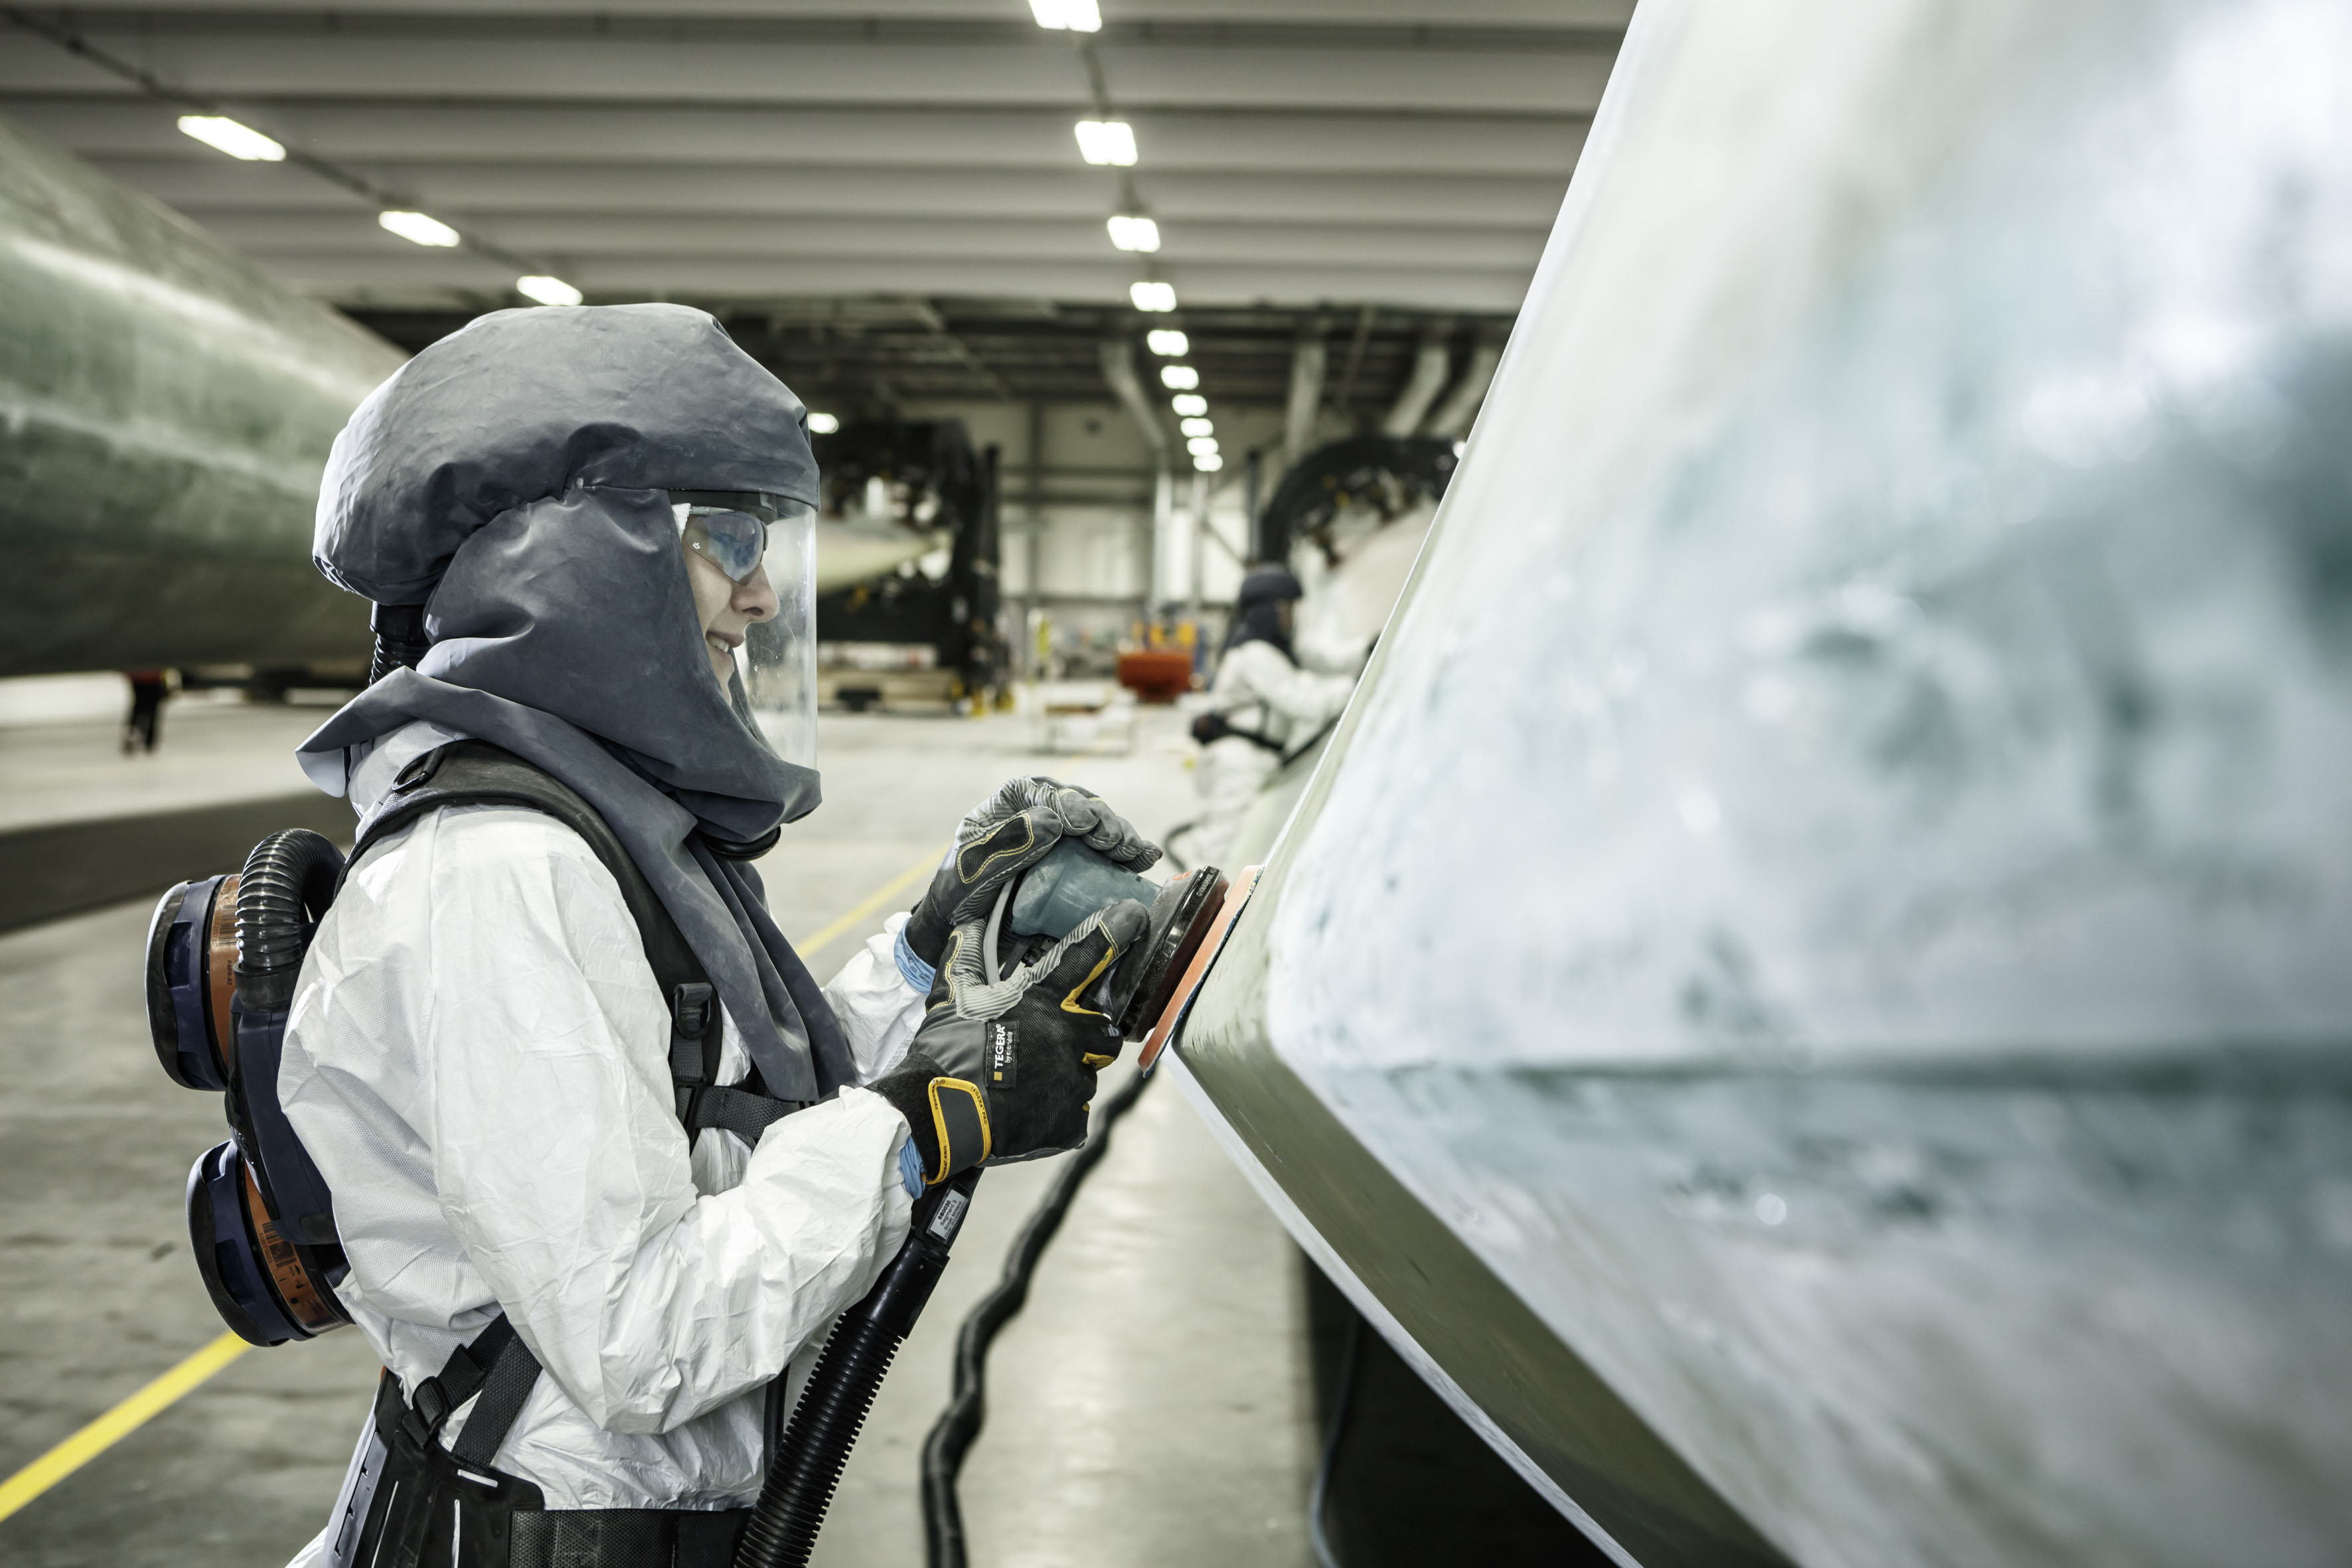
(605, 514)
(1261, 704)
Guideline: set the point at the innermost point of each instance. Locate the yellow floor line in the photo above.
(895, 887)
(117, 1423)
(135, 1411)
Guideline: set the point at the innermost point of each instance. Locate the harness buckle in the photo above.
(690, 1009)
(431, 1406)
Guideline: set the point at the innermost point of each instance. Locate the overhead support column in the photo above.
(1454, 414)
(1118, 372)
(1173, 541)
(1429, 367)
(1033, 564)
(1305, 400)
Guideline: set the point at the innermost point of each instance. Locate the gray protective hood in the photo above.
(512, 479)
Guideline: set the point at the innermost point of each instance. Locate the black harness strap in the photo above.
(475, 773)
(497, 1517)
(512, 1374)
(1214, 726)
(496, 1365)
(736, 1110)
(693, 1044)
(694, 1062)
(434, 1508)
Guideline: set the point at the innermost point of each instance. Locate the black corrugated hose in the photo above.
(287, 883)
(841, 1387)
(783, 1527)
(400, 639)
(959, 1424)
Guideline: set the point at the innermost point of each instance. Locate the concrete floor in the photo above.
(214, 750)
(1153, 1393)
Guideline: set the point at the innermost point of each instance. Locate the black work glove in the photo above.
(1005, 1071)
(1005, 836)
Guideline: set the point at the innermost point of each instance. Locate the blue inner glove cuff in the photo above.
(910, 1169)
(913, 970)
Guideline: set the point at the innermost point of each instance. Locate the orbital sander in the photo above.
(1145, 994)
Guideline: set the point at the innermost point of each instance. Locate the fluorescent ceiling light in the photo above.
(236, 140)
(1107, 142)
(1190, 405)
(1208, 463)
(1201, 445)
(1178, 378)
(1198, 426)
(545, 289)
(1067, 15)
(418, 229)
(1151, 296)
(822, 424)
(1130, 232)
(1168, 344)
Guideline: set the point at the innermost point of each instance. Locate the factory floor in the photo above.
(1154, 1393)
(1159, 1402)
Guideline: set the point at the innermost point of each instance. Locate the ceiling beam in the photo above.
(949, 242)
(457, 279)
(1562, 15)
(200, 185)
(1172, 142)
(1028, 68)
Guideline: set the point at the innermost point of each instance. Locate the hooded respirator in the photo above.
(742, 535)
(525, 502)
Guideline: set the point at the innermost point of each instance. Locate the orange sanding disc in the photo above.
(1173, 1014)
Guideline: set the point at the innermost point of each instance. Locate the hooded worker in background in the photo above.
(1262, 704)
(587, 1262)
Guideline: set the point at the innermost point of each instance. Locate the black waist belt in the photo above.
(410, 1501)
(624, 1538)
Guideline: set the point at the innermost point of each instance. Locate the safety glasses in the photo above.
(734, 542)
(742, 534)
(729, 528)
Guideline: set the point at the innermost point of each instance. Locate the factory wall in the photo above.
(1080, 497)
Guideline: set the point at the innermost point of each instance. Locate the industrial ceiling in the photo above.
(904, 173)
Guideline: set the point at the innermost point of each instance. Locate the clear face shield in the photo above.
(763, 543)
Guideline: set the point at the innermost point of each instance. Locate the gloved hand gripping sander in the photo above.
(1048, 902)
(1057, 895)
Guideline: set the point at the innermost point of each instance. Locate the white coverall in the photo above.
(478, 1060)
(1259, 689)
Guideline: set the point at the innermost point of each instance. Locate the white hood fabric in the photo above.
(477, 1059)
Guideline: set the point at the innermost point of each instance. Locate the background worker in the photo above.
(142, 725)
(1262, 703)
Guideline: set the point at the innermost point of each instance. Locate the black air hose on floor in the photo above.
(1319, 1499)
(960, 1424)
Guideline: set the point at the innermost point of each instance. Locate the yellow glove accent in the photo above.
(1070, 1003)
(962, 1110)
(1028, 838)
